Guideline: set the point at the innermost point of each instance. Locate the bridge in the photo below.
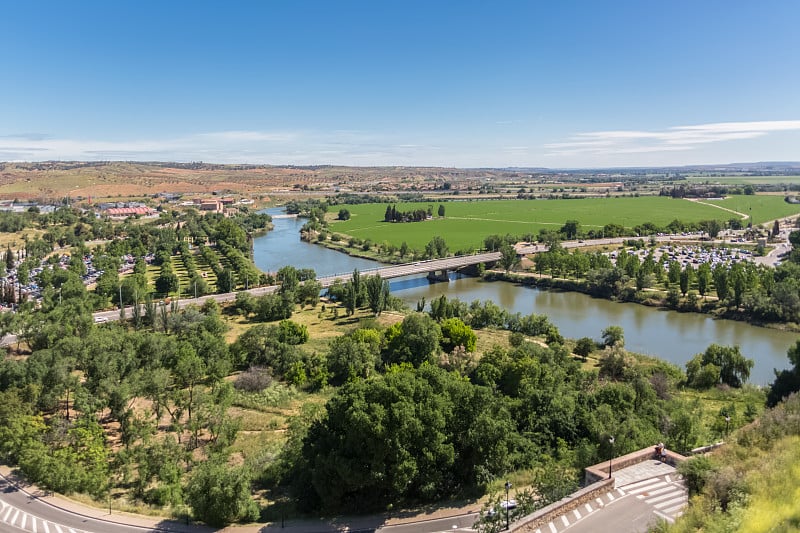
(435, 268)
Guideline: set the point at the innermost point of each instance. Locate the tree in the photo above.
(456, 333)
(377, 290)
(344, 214)
(614, 336)
(167, 281)
(414, 340)
(9, 258)
(786, 381)
(441, 210)
(219, 494)
(718, 364)
(686, 279)
(703, 279)
(508, 257)
(583, 347)
(354, 356)
(570, 229)
(720, 275)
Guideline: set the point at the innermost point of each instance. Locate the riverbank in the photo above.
(656, 298)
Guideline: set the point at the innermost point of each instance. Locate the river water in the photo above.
(670, 335)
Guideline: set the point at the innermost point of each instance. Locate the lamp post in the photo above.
(727, 423)
(508, 502)
(610, 441)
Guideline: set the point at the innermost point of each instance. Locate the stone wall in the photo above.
(594, 473)
(536, 520)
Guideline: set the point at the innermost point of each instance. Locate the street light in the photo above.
(610, 441)
(508, 502)
(727, 423)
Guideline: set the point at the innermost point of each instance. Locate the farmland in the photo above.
(762, 207)
(466, 224)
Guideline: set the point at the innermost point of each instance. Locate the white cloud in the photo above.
(676, 138)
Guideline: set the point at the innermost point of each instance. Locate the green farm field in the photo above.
(466, 224)
(745, 180)
(762, 207)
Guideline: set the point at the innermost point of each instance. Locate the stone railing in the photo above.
(539, 518)
(596, 483)
(599, 471)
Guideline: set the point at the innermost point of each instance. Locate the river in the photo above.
(669, 335)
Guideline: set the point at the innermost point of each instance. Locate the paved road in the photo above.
(631, 508)
(21, 511)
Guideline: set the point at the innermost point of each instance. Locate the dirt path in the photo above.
(741, 215)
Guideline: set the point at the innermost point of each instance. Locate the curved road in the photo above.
(22, 511)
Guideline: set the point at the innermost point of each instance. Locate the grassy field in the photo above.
(467, 223)
(745, 180)
(761, 207)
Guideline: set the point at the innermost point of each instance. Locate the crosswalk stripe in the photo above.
(668, 489)
(24, 519)
(44, 524)
(621, 492)
(671, 510)
(552, 527)
(58, 528)
(72, 530)
(662, 497)
(538, 531)
(642, 483)
(33, 524)
(665, 517)
(662, 505)
(610, 497)
(668, 478)
(14, 520)
(599, 502)
(577, 514)
(565, 520)
(8, 513)
(588, 508)
(649, 488)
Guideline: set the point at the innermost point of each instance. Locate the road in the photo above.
(21, 511)
(423, 267)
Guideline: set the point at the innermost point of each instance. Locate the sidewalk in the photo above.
(116, 517)
(351, 524)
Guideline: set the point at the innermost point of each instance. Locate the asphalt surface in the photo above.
(23, 509)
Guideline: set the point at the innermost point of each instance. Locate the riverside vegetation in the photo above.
(348, 405)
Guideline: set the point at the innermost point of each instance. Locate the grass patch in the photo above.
(466, 224)
(761, 207)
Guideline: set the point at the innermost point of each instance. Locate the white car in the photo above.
(505, 504)
(100, 319)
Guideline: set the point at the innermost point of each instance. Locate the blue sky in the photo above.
(445, 83)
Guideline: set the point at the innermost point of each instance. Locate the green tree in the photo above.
(686, 279)
(354, 356)
(456, 333)
(720, 275)
(584, 347)
(508, 257)
(377, 290)
(703, 279)
(344, 214)
(414, 340)
(441, 210)
(219, 494)
(570, 229)
(725, 362)
(614, 336)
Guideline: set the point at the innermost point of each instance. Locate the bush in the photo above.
(254, 379)
(696, 471)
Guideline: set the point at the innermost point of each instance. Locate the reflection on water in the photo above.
(672, 336)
